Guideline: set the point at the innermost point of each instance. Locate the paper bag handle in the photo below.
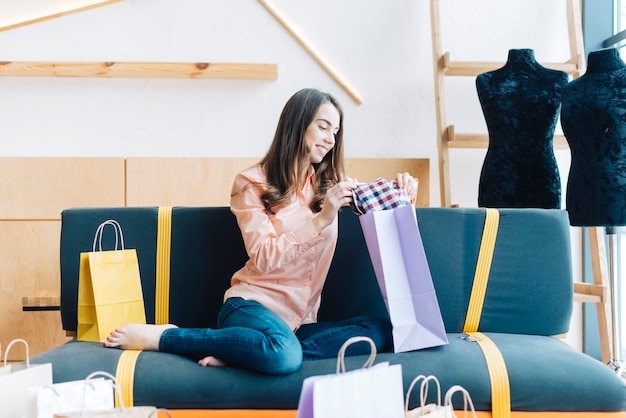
(57, 394)
(467, 400)
(17, 340)
(116, 386)
(408, 392)
(341, 366)
(118, 392)
(119, 237)
(423, 390)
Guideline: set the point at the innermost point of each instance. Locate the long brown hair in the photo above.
(289, 152)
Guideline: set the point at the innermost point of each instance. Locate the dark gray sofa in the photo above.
(528, 302)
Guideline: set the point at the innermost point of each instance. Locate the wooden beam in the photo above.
(43, 301)
(600, 269)
(140, 70)
(589, 292)
(443, 135)
(474, 68)
(29, 21)
(576, 43)
(314, 54)
(461, 140)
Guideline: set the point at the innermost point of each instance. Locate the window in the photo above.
(604, 26)
(618, 40)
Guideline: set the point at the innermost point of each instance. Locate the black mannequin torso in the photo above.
(593, 118)
(520, 102)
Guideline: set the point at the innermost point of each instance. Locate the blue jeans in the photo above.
(251, 336)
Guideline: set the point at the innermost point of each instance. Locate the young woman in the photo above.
(286, 208)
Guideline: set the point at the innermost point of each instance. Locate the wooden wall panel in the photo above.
(33, 192)
(39, 188)
(182, 181)
(207, 181)
(29, 265)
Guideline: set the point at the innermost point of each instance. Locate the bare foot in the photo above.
(211, 361)
(136, 337)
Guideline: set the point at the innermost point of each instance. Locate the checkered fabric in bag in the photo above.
(380, 194)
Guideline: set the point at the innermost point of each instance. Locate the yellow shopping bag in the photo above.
(109, 288)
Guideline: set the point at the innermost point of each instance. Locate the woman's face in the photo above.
(320, 134)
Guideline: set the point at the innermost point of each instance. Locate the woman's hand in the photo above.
(338, 196)
(409, 183)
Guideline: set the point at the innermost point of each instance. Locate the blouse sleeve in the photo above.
(268, 251)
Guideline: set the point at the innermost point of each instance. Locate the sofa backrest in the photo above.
(206, 248)
(529, 290)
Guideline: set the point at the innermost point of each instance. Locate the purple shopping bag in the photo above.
(397, 253)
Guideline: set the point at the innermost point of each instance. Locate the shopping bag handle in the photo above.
(341, 366)
(17, 340)
(118, 392)
(467, 400)
(116, 386)
(57, 394)
(423, 390)
(408, 392)
(119, 237)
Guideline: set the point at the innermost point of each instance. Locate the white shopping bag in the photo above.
(369, 392)
(16, 379)
(111, 412)
(437, 409)
(467, 402)
(428, 410)
(77, 395)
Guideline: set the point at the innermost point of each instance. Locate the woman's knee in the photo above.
(285, 357)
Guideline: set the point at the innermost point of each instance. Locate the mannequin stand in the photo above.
(614, 363)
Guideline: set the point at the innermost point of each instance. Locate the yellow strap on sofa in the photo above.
(483, 267)
(125, 372)
(498, 376)
(163, 252)
(125, 376)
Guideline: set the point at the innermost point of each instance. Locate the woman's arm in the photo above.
(268, 251)
(338, 196)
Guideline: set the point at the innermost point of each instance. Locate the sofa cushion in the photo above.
(545, 375)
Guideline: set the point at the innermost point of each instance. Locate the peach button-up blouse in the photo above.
(289, 259)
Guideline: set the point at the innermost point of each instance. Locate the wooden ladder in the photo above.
(597, 292)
